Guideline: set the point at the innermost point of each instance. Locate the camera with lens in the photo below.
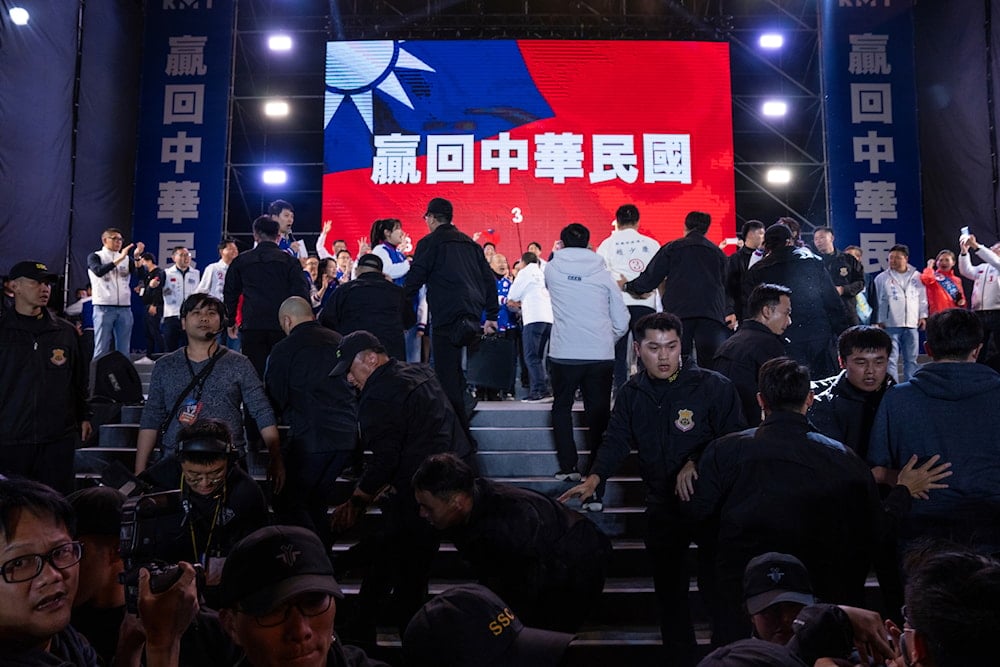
(147, 521)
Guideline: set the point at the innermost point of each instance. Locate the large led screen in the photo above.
(525, 137)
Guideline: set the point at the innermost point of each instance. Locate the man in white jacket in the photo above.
(536, 316)
(589, 317)
(627, 254)
(985, 290)
(902, 311)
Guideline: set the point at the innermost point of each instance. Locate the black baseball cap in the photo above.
(751, 653)
(470, 625)
(350, 345)
(34, 270)
(370, 261)
(272, 565)
(439, 206)
(775, 577)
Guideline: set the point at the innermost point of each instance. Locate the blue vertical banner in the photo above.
(183, 127)
(870, 98)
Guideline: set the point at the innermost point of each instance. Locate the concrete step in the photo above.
(535, 463)
(131, 414)
(628, 559)
(515, 414)
(118, 435)
(634, 646)
(498, 438)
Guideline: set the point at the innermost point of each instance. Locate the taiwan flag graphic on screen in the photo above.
(525, 137)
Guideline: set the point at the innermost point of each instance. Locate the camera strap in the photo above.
(196, 381)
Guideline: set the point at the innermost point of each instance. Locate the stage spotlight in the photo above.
(19, 15)
(275, 108)
(274, 177)
(279, 43)
(779, 176)
(774, 108)
(771, 40)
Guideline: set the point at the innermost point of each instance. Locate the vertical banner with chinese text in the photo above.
(180, 177)
(869, 87)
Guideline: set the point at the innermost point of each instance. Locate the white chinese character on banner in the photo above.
(504, 154)
(178, 200)
(395, 159)
(875, 201)
(558, 156)
(183, 103)
(875, 251)
(874, 149)
(170, 240)
(450, 158)
(186, 56)
(180, 150)
(187, 4)
(666, 158)
(871, 103)
(868, 55)
(614, 157)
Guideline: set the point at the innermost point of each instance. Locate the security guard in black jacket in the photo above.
(785, 487)
(372, 303)
(669, 413)
(460, 287)
(544, 560)
(321, 412)
(43, 384)
(403, 417)
(264, 277)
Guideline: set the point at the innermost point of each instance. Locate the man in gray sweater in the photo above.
(203, 380)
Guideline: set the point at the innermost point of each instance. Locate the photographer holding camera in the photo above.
(219, 503)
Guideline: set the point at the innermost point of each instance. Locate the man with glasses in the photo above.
(222, 503)
(179, 282)
(39, 564)
(109, 269)
(279, 601)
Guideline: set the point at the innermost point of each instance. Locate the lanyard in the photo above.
(220, 500)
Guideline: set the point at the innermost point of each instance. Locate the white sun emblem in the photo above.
(355, 69)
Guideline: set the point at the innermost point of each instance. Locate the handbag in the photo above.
(491, 362)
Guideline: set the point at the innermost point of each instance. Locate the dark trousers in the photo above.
(635, 313)
(174, 337)
(50, 463)
(704, 335)
(448, 368)
(400, 565)
(667, 541)
(818, 354)
(257, 344)
(594, 381)
(309, 488)
(534, 339)
(154, 338)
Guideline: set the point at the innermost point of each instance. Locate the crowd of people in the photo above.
(774, 399)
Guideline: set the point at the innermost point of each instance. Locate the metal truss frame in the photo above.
(793, 74)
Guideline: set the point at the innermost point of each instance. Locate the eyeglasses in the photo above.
(115, 238)
(29, 566)
(212, 478)
(308, 604)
